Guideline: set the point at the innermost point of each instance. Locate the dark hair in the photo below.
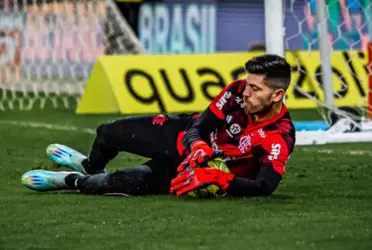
(257, 46)
(274, 67)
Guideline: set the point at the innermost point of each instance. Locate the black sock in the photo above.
(85, 163)
(73, 180)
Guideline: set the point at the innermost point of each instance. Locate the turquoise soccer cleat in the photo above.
(66, 156)
(42, 180)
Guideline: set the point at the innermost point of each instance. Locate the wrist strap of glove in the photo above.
(198, 144)
(226, 182)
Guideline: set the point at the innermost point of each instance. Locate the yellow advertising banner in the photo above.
(349, 79)
(142, 84)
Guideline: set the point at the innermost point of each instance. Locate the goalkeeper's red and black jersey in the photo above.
(253, 150)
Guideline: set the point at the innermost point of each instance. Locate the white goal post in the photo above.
(48, 48)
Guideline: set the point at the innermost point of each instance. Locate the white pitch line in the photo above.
(58, 127)
(331, 151)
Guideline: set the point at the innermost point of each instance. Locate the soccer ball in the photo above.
(212, 190)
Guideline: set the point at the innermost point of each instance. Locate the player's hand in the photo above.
(194, 178)
(200, 154)
(159, 120)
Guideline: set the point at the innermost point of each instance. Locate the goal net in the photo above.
(48, 47)
(332, 72)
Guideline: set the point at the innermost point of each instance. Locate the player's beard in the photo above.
(258, 110)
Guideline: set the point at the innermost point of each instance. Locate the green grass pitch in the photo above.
(324, 201)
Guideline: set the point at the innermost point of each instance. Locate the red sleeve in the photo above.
(272, 167)
(276, 153)
(221, 104)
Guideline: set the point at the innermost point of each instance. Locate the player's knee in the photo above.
(104, 132)
(101, 129)
(123, 182)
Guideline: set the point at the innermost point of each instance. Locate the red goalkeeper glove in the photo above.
(200, 154)
(194, 178)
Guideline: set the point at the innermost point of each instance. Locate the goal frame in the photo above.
(274, 40)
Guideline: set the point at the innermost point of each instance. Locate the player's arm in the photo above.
(208, 121)
(212, 117)
(275, 154)
(193, 141)
(265, 184)
(201, 128)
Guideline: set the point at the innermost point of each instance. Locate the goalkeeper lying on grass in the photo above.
(247, 124)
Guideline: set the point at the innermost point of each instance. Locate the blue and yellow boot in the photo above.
(43, 180)
(67, 157)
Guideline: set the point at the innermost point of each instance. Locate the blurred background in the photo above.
(48, 49)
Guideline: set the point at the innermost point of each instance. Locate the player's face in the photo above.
(258, 97)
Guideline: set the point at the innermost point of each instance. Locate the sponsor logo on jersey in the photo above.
(213, 138)
(235, 129)
(244, 143)
(261, 132)
(275, 151)
(229, 158)
(239, 101)
(223, 100)
(228, 118)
